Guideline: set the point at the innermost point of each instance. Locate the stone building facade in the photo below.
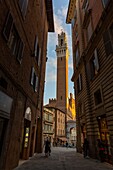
(92, 39)
(24, 26)
(59, 125)
(48, 125)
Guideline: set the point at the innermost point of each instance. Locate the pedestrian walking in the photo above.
(47, 147)
(86, 148)
(101, 150)
(66, 144)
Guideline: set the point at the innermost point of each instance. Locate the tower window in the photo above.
(61, 58)
(61, 42)
(61, 97)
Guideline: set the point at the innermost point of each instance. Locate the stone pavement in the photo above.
(63, 159)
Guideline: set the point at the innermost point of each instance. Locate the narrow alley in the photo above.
(63, 159)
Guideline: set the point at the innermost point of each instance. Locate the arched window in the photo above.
(61, 42)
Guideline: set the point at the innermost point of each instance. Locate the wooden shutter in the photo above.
(36, 46)
(80, 82)
(36, 84)
(88, 70)
(96, 59)
(23, 6)
(24, 10)
(8, 26)
(32, 75)
(39, 58)
(108, 42)
(20, 51)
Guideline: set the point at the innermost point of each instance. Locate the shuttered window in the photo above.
(23, 6)
(32, 75)
(34, 80)
(77, 56)
(108, 42)
(14, 41)
(37, 51)
(39, 58)
(79, 83)
(8, 26)
(94, 64)
(20, 51)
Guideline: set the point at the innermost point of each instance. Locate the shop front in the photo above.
(104, 137)
(24, 154)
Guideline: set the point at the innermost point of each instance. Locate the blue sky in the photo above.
(60, 12)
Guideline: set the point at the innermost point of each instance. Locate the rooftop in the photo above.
(49, 10)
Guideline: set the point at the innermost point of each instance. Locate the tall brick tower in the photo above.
(62, 72)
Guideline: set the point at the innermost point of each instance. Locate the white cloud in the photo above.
(63, 12)
(51, 69)
(59, 24)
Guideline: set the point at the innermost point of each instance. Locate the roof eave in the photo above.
(69, 13)
(49, 10)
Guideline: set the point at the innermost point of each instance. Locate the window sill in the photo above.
(98, 106)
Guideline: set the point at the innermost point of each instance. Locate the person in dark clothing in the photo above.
(47, 147)
(66, 144)
(86, 148)
(101, 150)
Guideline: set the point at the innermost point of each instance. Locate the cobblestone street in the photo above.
(63, 159)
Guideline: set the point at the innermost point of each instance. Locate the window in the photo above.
(105, 2)
(34, 80)
(13, 39)
(74, 19)
(37, 50)
(97, 97)
(94, 64)
(85, 5)
(15, 44)
(77, 56)
(23, 6)
(79, 83)
(80, 108)
(3, 83)
(61, 97)
(89, 31)
(8, 26)
(108, 40)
